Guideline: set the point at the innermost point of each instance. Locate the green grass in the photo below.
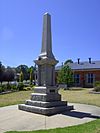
(14, 98)
(80, 95)
(90, 127)
(76, 95)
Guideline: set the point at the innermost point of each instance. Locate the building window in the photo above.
(90, 78)
(76, 78)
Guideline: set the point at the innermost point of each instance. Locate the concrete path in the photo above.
(13, 119)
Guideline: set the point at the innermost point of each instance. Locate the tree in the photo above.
(21, 77)
(24, 70)
(2, 69)
(32, 68)
(9, 74)
(65, 76)
(68, 61)
(31, 76)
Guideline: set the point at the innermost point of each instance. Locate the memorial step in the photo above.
(45, 111)
(45, 97)
(46, 104)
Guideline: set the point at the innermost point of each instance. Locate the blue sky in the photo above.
(75, 30)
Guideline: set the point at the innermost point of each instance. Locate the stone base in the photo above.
(47, 103)
(46, 90)
(45, 111)
(45, 97)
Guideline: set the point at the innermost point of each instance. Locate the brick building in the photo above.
(85, 73)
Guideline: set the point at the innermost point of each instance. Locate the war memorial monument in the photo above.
(46, 100)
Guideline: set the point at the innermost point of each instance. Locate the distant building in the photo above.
(85, 73)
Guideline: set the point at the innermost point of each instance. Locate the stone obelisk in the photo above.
(46, 61)
(45, 99)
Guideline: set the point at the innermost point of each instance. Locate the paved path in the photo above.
(13, 119)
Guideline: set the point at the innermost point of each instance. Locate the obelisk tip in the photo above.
(46, 13)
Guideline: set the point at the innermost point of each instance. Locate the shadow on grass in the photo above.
(80, 115)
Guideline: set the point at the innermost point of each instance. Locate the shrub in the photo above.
(20, 86)
(8, 87)
(27, 88)
(14, 87)
(5, 87)
(1, 89)
(97, 86)
(97, 89)
(97, 83)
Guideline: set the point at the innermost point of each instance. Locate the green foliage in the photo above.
(27, 88)
(2, 69)
(6, 74)
(24, 70)
(97, 83)
(9, 74)
(20, 86)
(97, 86)
(65, 76)
(2, 89)
(7, 87)
(97, 89)
(68, 61)
(31, 76)
(14, 87)
(21, 77)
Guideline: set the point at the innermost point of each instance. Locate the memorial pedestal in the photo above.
(47, 102)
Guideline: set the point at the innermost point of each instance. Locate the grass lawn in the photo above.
(74, 95)
(14, 98)
(80, 95)
(91, 127)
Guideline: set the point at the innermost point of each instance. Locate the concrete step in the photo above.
(45, 111)
(46, 104)
(45, 97)
(46, 89)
